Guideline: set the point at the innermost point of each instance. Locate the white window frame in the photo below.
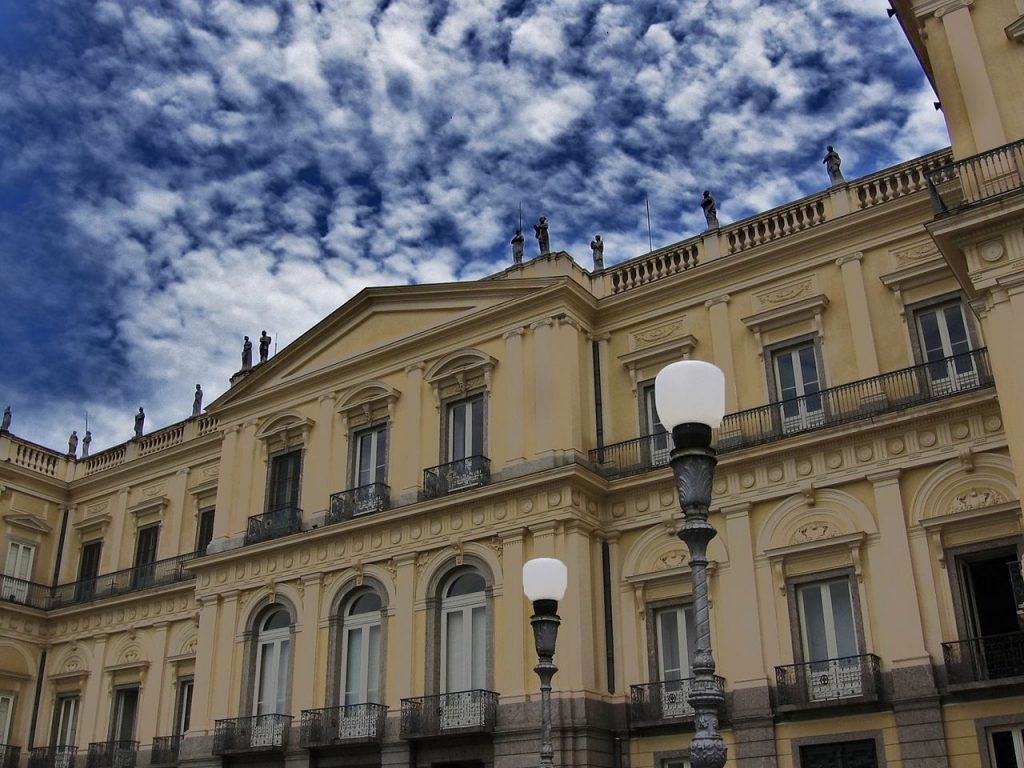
(362, 624)
(794, 410)
(467, 448)
(675, 683)
(469, 605)
(183, 705)
(6, 716)
(840, 674)
(1017, 734)
(18, 566)
(945, 376)
(378, 439)
(659, 441)
(276, 642)
(66, 716)
(117, 720)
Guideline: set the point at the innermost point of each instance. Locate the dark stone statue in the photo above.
(197, 401)
(86, 442)
(246, 354)
(517, 246)
(5, 424)
(710, 210)
(597, 251)
(832, 162)
(540, 229)
(140, 421)
(73, 443)
(264, 346)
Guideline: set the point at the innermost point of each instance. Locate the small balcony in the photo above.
(273, 524)
(339, 726)
(24, 592)
(865, 399)
(61, 756)
(164, 751)
(450, 714)
(850, 679)
(981, 659)
(356, 502)
(260, 733)
(663, 703)
(156, 574)
(112, 754)
(10, 756)
(459, 475)
(978, 179)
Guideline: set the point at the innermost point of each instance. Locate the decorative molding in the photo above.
(788, 314)
(976, 498)
(855, 256)
(27, 521)
(95, 509)
(89, 524)
(814, 531)
(150, 506)
(655, 333)
(642, 361)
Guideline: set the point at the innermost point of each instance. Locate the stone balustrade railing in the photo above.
(165, 438)
(37, 458)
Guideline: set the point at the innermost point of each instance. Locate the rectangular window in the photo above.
(285, 476)
(797, 387)
(465, 428)
(204, 530)
(650, 425)
(18, 571)
(945, 347)
(676, 638)
(65, 721)
(126, 709)
(844, 754)
(829, 638)
(145, 556)
(89, 569)
(369, 464)
(6, 716)
(991, 644)
(1007, 747)
(183, 707)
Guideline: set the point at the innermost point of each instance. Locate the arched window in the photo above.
(463, 633)
(273, 662)
(361, 632)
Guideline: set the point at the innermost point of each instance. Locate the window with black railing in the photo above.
(112, 754)
(10, 756)
(164, 751)
(844, 679)
(350, 724)
(458, 475)
(251, 734)
(59, 756)
(449, 714)
(278, 522)
(355, 502)
(891, 392)
(663, 702)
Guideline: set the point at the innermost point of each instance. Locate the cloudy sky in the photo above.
(177, 173)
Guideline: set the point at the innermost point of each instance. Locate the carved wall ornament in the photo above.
(73, 664)
(651, 335)
(786, 292)
(153, 490)
(815, 531)
(391, 567)
(675, 559)
(915, 253)
(976, 498)
(496, 544)
(130, 656)
(95, 509)
(991, 251)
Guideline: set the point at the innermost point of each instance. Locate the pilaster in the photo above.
(410, 468)
(509, 677)
(544, 386)
(515, 452)
(91, 721)
(307, 686)
(206, 650)
(402, 630)
(721, 346)
(860, 316)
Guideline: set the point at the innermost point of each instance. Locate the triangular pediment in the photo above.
(28, 522)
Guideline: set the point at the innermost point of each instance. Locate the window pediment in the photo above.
(460, 372)
(369, 402)
(809, 308)
(644, 363)
(150, 510)
(284, 431)
(28, 522)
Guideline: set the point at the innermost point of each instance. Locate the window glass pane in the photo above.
(786, 375)
(284, 665)
(457, 438)
(6, 707)
(184, 717)
(265, 691)
(354, 667)
(813, 617)
(1003, 753)
(956, 329)
(368, 602)
(478, 651)
(668, 642)
(373, 665)
(842, 616)
(455, 653)
(205, 533)
(476, 448)
(276, 620)
(931, 339)
(466, 584)
(382, 452)
(364, 474)
(808, 370)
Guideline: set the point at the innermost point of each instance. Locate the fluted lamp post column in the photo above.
(690, 398)
(544, 582)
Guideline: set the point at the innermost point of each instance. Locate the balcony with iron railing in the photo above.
(356, 502)
(846, 680)
(458, 475)
(273, 524)
(449, 714)
(665, 702)
(59, 756)
(260, 733)
(344, 725)
(985, 659)
(164, 751)
(981, 178)
(10, 756)
(892, 392)
(112, 754)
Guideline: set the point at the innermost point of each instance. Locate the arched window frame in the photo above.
(252, 656)
(337, 663)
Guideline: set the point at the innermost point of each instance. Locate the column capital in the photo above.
(720, 299)
(847, 258)
(598, 336)
(885, 477)
(545, 322)
(413, 367)
(514, 333)
(942, 7)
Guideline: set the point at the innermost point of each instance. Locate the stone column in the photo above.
(320, 482)
(92, 727)
(205, 680)
(607, 414)
(721, 346)
(509, 677)
(409, 470)
(544, 388)
(250, 473)
(149, 723)
(578, 661)
(568, 404)
(113, 539)
(223, 522)
(402, 631)
(860, 316)
(226, 678)
(307, 686)
(170, 543)
(514, 366)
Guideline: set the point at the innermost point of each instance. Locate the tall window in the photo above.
(18, 567)
(464, 633)
(89, 569)
(126, 710)
(651, 425)
(183, 706)
(1007, 747)
(145, 555)
(829, 637)
(6, 715)
(797, 385)
(204, 530)
(989, 621)
(369, 463)
(273, 663)
(942, 331)
(465, 428)
(676, 636)
(285, 476)
(65, 720)
(361, 649)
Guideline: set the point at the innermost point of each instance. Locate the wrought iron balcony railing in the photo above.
(351, 724)
(977, 179)
(984, 658)
(850, 678)
(449, 714)
(459, 475)
(155, 574)
(273, 524)
(888, 393)
(164, 751)
(112, 754)
(260, 733)
(364, 500)
(10, 756)
(60, 756)
(24, 592)
(666, 701)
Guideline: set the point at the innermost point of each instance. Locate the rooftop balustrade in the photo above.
(977, 179)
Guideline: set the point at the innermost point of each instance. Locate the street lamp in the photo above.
(544, 582)
(690, 399)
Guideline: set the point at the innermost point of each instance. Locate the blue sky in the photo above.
(175, 174)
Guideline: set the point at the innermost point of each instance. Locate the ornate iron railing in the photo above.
(112, 754)
(978, 179)
(60, 756)
(364, 500)
(984, 658)
(10, 756)
(864, 399)
(155, 574)
(663, 701)
(165, 750)
(449, 714)
(459, 475)
(24, 592)
(843, 679)
(259, 733)
(351, 724)
(273, 524)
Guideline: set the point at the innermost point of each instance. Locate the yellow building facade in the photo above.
(325, 567)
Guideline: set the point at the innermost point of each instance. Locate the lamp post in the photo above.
(690, 398)
(544, 582)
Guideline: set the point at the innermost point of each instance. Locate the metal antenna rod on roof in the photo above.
(650, 238)
(520, 215)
